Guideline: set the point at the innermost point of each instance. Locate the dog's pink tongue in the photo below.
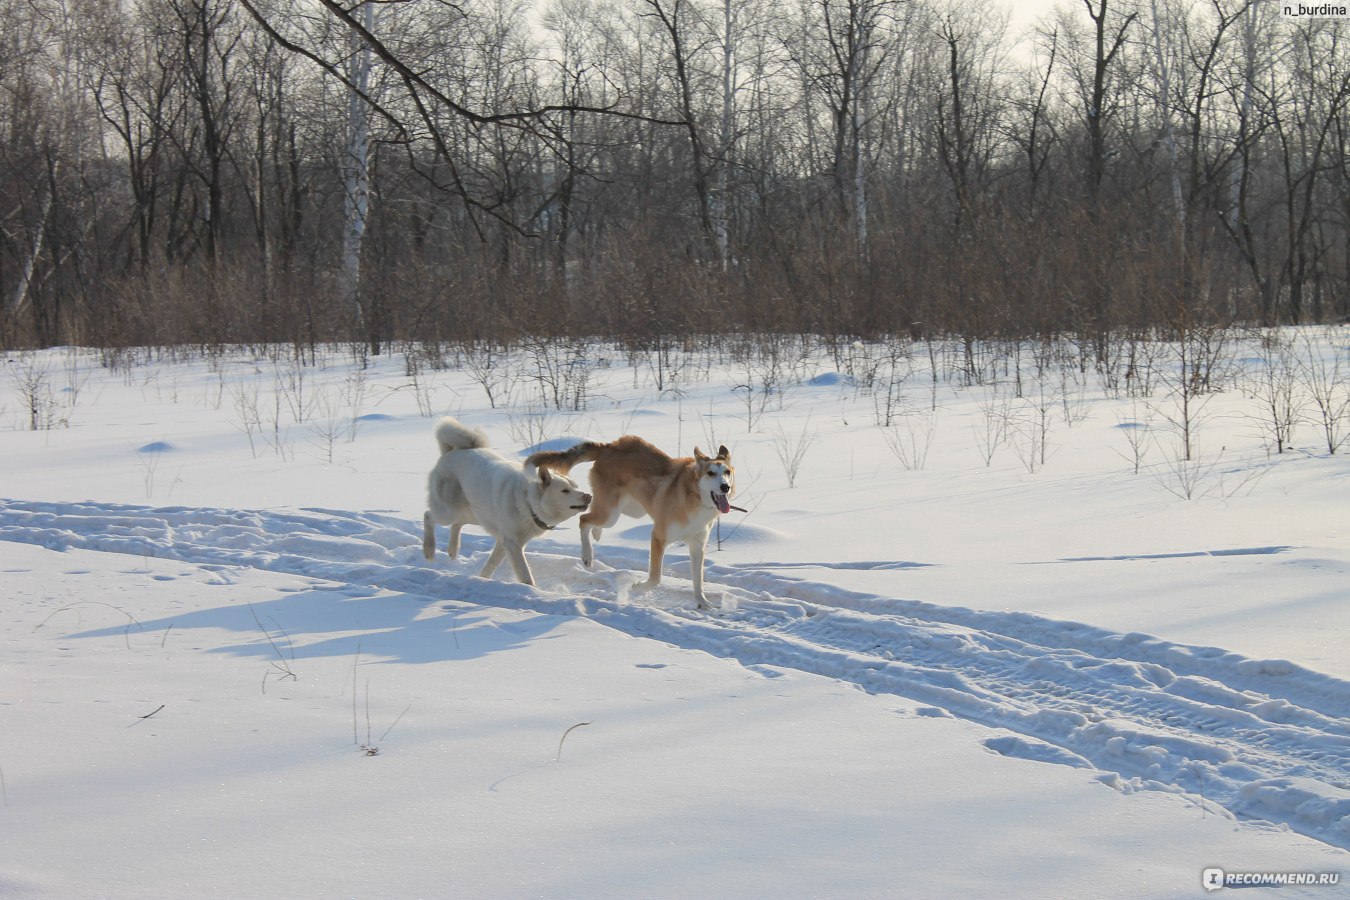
(723, 504)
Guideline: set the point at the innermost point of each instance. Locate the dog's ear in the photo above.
(724, 453)
(545, 476)
(698, 455)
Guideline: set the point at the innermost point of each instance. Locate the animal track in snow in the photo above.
(1266, 739)
(1135, 557)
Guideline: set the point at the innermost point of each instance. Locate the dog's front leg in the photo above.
(696, 549)
(658, 556)
(494, 559)
(452, 545)
(587, 548)
(428, 536)
(516, 553)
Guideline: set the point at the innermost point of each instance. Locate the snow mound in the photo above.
(1037, 751)
(829, 379)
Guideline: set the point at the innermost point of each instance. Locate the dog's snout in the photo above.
(586, 498)
(725, 488)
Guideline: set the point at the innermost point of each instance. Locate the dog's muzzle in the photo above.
(721, 499)
(585, 502)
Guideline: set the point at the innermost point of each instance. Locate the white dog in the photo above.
(473, 485)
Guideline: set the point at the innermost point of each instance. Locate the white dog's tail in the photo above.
(452, 435)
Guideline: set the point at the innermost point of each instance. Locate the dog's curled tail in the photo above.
(562, 461)
(451, 434)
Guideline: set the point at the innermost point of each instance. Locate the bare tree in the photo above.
(1034, 134)
(209, 36)
(1319, 96)
(841, 50)
(966, 113)
(674, 16)
(1107, 36)
(356, 166)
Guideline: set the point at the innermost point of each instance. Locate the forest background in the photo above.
(487, 172)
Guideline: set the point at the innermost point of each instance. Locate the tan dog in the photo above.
(682, 496)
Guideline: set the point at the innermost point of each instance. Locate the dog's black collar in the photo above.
(538, 521)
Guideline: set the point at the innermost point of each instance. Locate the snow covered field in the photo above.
(984, 634)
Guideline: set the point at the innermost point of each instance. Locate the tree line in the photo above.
(224, 171)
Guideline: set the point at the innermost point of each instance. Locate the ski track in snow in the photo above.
(1267, 740)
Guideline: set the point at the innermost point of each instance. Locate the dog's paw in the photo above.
(713, 601)
(644, 586)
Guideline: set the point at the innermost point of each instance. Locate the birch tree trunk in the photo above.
(859, 115)
(356, 173)
(1168, 136)
(19, 299)
(721, 200)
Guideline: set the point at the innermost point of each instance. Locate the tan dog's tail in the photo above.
(562, 461)
(451, 434)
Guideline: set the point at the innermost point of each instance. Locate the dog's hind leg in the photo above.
(428, 536)
(452, 545)
(600, 516)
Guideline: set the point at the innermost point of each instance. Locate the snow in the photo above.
(229, 671)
